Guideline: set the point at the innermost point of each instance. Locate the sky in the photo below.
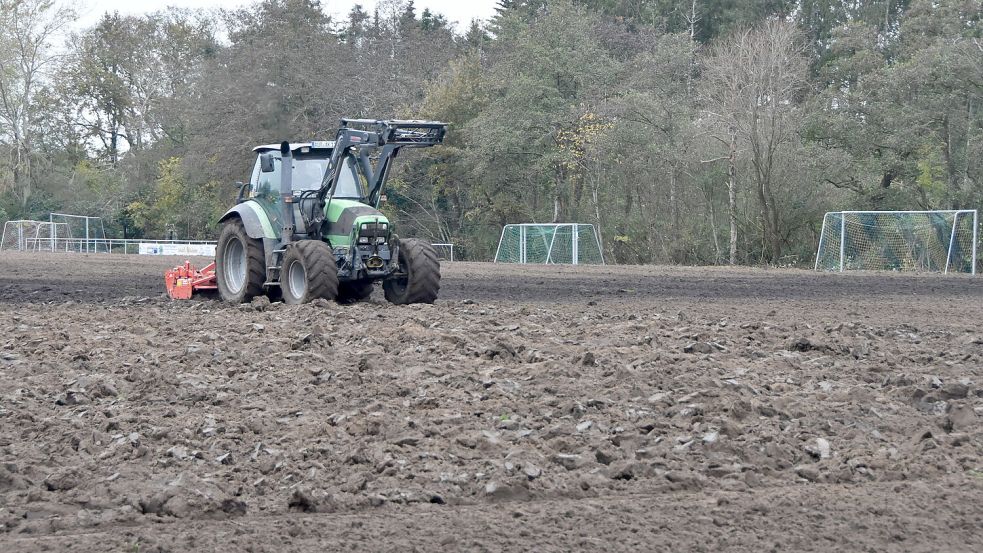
(460, 12)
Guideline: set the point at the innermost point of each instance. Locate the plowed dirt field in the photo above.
(529, 409)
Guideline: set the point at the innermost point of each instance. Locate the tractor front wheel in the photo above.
(308, 272)
(417, 280)
(239, 264)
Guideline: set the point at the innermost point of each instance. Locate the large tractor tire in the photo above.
(354, 291)
(240, 266)
(309, 272)
(418, 277)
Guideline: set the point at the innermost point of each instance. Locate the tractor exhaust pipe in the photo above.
(286, 194)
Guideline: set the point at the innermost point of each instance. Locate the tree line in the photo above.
(694, 131)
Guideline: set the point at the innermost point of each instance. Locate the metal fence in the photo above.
(145, 246)
(114, 245)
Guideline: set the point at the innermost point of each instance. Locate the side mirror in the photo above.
(266, 163)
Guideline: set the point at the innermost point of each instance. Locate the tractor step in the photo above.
(273, 271)
(184, 280)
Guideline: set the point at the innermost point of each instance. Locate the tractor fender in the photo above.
(253, 218)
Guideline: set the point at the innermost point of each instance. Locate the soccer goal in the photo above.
(570, 243)
(939, 241)
(83, 233)
(31, 236)
(445, 252)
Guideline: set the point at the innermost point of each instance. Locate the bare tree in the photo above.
(752, 81)
(29, 27)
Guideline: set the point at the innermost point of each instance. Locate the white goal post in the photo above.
(567, 243)
(936, 241)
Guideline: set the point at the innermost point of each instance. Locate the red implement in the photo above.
(184, 280)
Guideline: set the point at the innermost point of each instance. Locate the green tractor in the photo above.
(307, 224)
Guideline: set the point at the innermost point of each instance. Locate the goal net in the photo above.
(32, 236)
(570, 243)
(940, 241)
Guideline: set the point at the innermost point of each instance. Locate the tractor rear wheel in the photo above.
(309, 272)
(353, 291)
(418, 278)
(240, 266)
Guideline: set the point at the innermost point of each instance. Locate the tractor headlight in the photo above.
(363, 239)
(380, 240)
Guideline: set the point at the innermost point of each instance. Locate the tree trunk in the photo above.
(732, 197)
(595, 189)
(775, 237)
(673, 207)
(957, 131)
(713, 226)
(692, 45)
(761, 160)
(558, 206)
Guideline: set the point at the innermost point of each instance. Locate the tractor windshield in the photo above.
(349, 181)
(309, 172)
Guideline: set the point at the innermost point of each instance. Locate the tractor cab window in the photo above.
(266, 184)
(350, 182)
(308, 173)
(254, 178)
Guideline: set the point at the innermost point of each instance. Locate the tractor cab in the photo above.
(310, 165)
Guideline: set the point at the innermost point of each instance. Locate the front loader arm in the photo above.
(366, 137)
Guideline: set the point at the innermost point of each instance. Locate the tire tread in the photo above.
(423, 283)
(322, 271)
(255, 263)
